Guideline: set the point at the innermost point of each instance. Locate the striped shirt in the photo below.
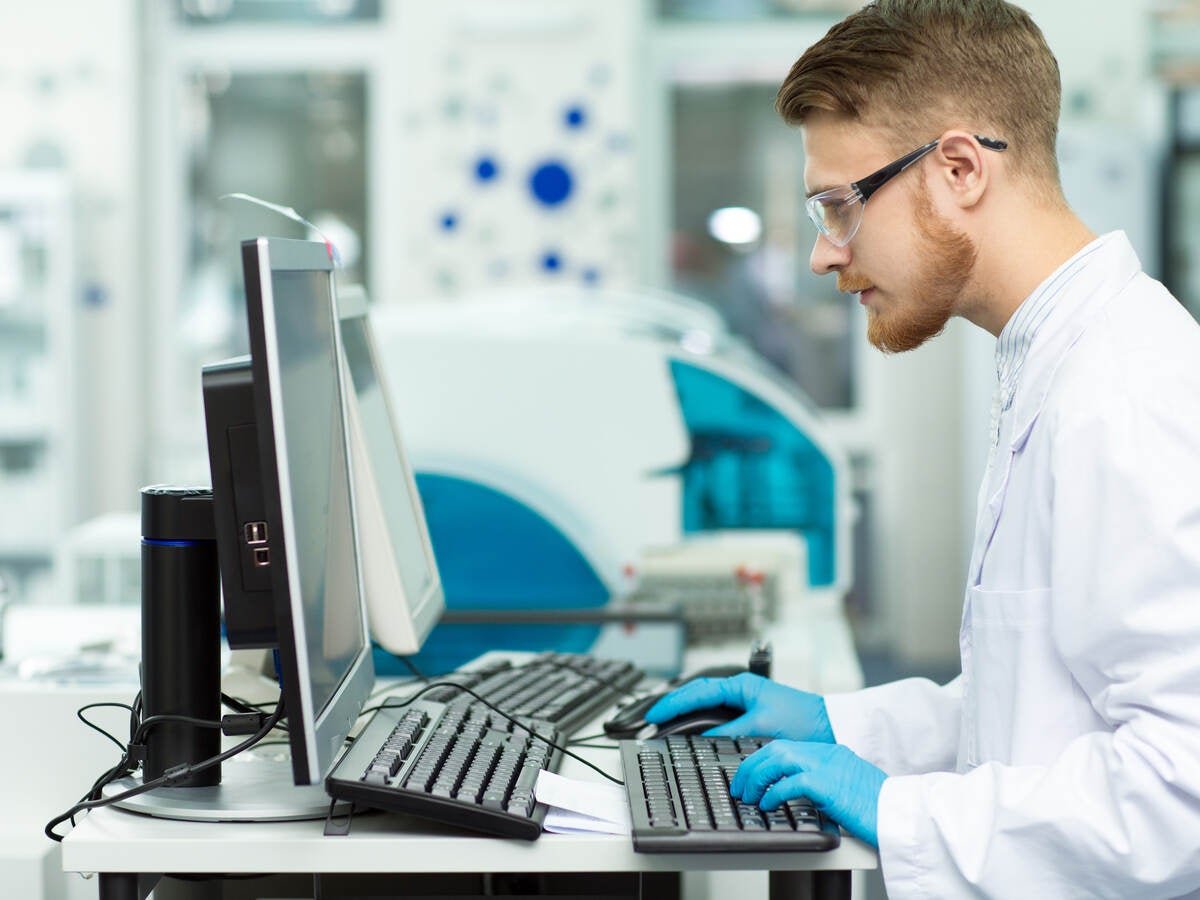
(1018, 334)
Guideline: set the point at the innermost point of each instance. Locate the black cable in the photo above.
(169, 777)
(588, 737)
(516, 721)
(122, 768)
(237, 704)
(79, 713)
(412, 667)
(140, 734)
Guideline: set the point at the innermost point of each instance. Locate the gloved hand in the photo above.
(772, 710)
(838, 782)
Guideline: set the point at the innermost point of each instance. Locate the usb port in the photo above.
(255, 532)
(262, 556)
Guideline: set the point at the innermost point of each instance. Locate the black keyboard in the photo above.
(448, 757)
(679, 798)
(472, 768)
(568, 689)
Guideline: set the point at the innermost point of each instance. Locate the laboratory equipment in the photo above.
(620, 422)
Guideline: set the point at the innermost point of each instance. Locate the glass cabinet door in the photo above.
(38, 453)
(296, 139)
(740, 238)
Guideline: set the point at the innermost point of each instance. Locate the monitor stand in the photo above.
(256, 786)
(181, 677)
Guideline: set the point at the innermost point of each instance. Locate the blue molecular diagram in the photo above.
(575, 117)
(551, 183)
(486, 169)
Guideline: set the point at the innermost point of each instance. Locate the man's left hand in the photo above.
(838, 782)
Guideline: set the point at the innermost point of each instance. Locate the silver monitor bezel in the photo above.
(317, 737)
(425, 612)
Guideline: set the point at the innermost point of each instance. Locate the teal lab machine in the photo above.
(557, 435)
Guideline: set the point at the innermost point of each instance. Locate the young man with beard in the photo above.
(1065, 760)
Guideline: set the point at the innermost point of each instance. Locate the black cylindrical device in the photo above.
(181, 630)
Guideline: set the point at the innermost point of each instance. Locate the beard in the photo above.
(944, 258)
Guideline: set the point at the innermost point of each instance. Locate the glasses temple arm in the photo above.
(873, 182)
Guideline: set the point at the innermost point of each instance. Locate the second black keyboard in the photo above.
(567, 689)
(678, 790)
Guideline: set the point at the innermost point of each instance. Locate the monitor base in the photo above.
(254, 788)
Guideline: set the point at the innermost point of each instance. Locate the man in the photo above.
(1065, 760)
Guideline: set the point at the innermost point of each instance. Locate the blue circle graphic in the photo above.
(551, 183)
(575, 117)
(551, 261)
(486, 168)
(449, 221)
(591, 276)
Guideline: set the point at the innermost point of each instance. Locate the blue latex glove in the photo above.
(838, 782)
(772, 710)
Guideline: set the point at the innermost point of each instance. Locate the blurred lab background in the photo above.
(462, 149)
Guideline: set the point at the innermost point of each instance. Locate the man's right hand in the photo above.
(771, 710)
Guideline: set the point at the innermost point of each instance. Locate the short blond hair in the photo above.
(918, 67)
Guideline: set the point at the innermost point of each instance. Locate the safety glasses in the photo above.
(838, 212)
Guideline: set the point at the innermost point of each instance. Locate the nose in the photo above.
(827, 256)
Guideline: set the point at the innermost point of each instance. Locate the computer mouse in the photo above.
(696, 722)
(630, 720)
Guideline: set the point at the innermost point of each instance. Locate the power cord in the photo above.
(79, 713)
(134, 754)
(248, 719)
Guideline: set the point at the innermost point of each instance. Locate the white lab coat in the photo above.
(1065, 760)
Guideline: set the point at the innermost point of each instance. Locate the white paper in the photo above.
(582, 807)
(561, 821)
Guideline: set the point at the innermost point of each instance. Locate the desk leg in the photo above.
(659, 886)
(126, 886)
(818, 885)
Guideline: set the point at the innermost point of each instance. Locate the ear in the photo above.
(962, 168)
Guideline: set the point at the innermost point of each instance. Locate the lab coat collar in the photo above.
(1017, 336)
(1088, 281)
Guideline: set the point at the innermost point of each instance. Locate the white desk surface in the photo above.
(115, 841)
(110, 840)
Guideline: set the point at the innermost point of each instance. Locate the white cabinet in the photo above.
(38, 456)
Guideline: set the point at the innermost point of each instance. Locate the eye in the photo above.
(836, 209)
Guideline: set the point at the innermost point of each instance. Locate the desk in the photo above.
(120, 846)
(117, 845)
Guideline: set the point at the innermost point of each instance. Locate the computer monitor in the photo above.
(297, 523)
(400, 576)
